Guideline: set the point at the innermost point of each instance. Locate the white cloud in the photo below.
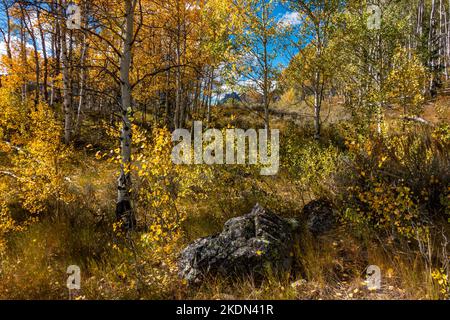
(290, 19)
(2, 53)
(2, 48)
(14, 45)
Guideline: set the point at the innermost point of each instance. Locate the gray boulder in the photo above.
(254, 244)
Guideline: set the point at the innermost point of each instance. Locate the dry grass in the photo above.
(333, 266)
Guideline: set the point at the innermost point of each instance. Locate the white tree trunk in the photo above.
(124, 210)
(67, 103)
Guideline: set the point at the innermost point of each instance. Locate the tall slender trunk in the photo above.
(420, 12)
(431, 48)
(195, 102)
(24, 60)
(83, 79)
(317, 106)
(67, 95)
(209, 98)
(447, 46)
(29, 27)
(124, 210)
(178, 82)
(318, 95)
(44, 54)
(167, 100)
(184, 90)
(380, 79)
(83, 76)
(56, 53)
(266, 83)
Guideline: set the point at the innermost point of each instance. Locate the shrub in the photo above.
(397, 183)
(310, 163)
(34, 160)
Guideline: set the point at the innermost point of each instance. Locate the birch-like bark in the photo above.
(317, 107)
(431, 35)
(83, 77)
(266, 84)
(67, 97)
(29, 27)
(44, 54)
(178, 80)
(124, 210)
(209, 96)
(420, 12)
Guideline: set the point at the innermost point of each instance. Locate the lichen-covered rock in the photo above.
(253, 244)
(319, 216)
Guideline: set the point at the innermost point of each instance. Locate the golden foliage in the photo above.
(441, 279)
(32, 171)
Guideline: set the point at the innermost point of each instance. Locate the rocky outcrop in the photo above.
(253, 244)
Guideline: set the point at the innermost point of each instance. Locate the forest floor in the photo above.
(35, 264)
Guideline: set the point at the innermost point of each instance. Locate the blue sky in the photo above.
(288, 18)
